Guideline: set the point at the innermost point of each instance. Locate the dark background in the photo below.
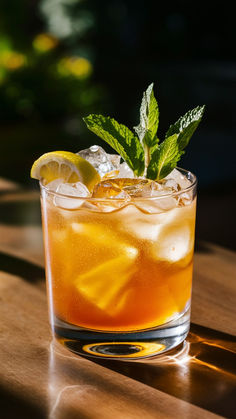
(62, 59)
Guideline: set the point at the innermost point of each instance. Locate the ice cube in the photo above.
(143, 188)
(185, 198)
(112, 188)
(125, 171)
(174, 242)
(115, 160)
(180, 179)
(156, 206)
(106, 205)
(138, 225)
(151, 189)
(100, 160)
(167, 203)
(111, 175)
(148, 206)
(76, 190)
(125, 189)
(53, 185)
(170, 185)
(109, 188)
(183, 182)
(114, 196)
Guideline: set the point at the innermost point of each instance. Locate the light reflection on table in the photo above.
(202, 371)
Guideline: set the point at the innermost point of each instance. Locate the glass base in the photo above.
(119, 345)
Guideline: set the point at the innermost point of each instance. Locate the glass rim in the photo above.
(150, 198)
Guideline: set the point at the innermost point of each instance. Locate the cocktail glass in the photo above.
(119, 273)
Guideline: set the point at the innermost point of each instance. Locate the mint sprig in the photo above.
(142, 152)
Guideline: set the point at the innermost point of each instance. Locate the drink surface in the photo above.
(123, 270)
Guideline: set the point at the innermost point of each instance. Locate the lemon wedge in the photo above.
(66, 165)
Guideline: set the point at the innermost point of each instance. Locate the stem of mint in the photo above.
(147, 156)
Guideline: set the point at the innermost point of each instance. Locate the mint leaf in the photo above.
(164, 158)
(120, 138)
(149, 118)
(186, 125)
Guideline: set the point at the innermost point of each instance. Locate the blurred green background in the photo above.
(46, 80)
(62, 59)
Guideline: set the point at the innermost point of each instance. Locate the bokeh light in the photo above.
(78, 67)
(12, 60)
(44, 42)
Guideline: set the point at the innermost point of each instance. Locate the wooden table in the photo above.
(40, 379)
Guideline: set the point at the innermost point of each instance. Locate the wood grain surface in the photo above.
(41, 379)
